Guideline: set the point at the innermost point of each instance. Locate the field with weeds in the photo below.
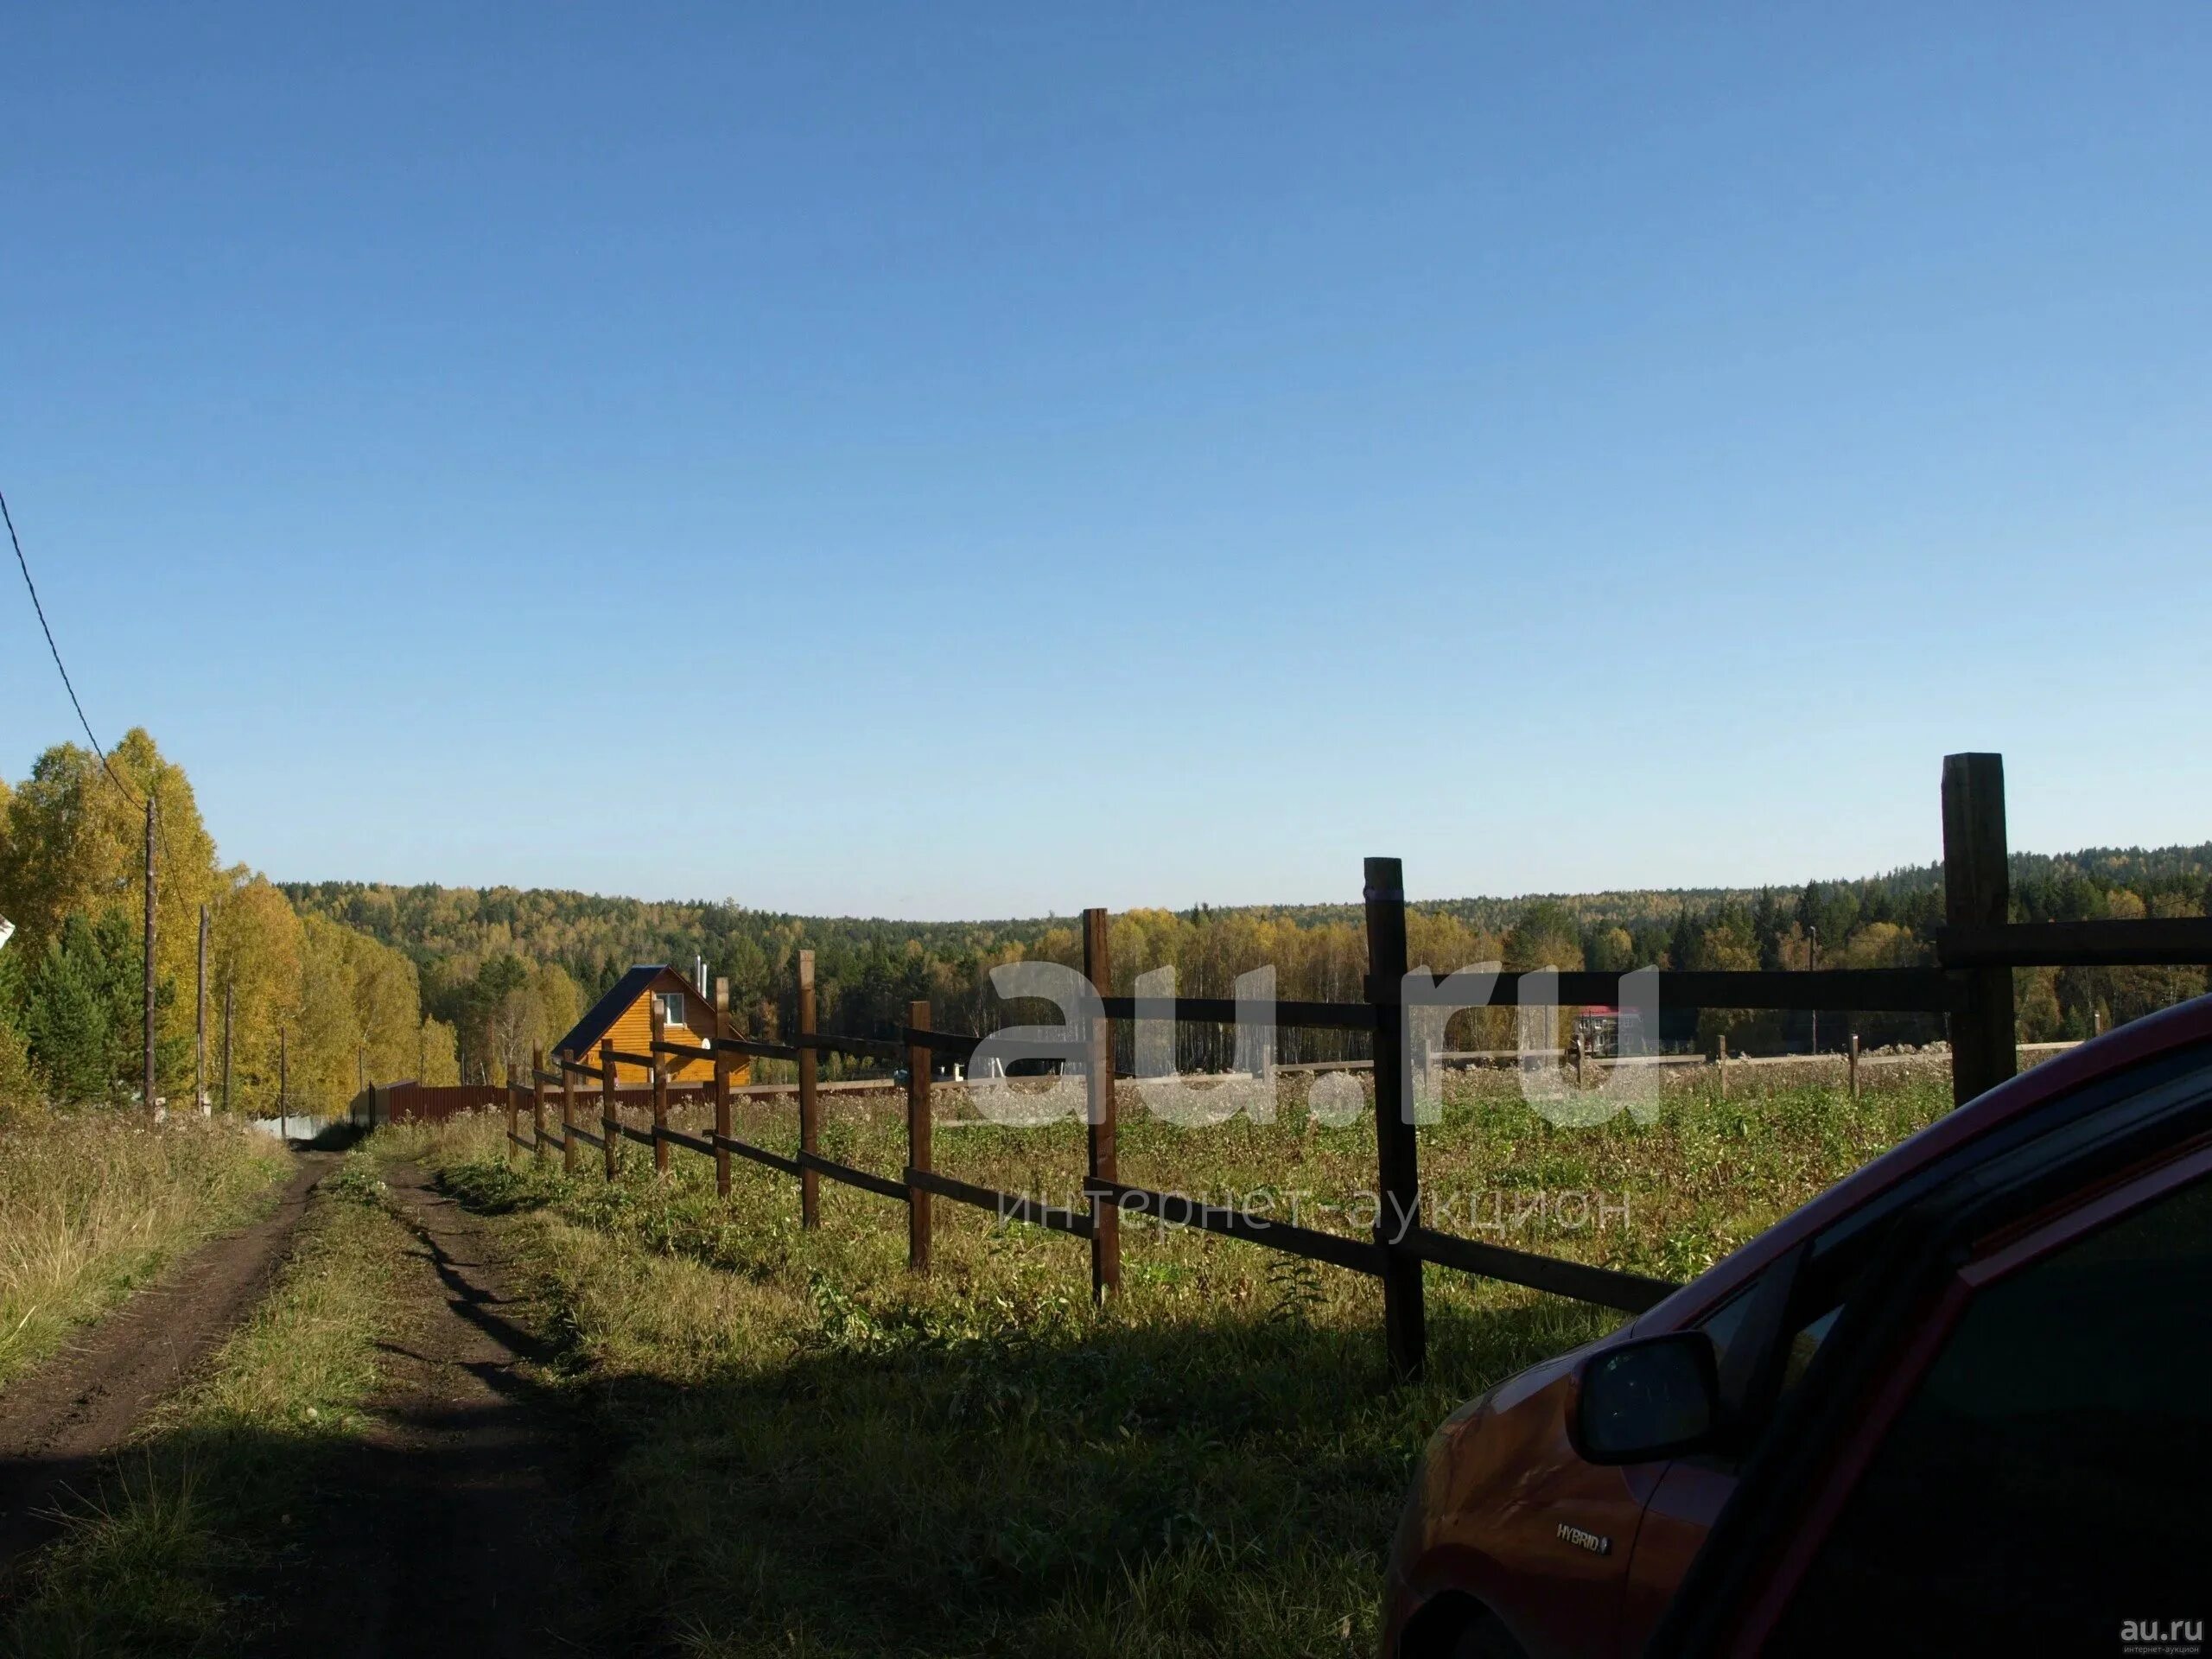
(93, 1204)
(812, 1451)
(166, 1556)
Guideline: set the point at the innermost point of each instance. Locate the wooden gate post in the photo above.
(918, 1138)
(514, 1120)
(537, 1105)
(567, 1117)
(809, 1108)
(1103, 1163)
(1405, 1324)
(610, 1122)
(1977, 891)
(660, 1090)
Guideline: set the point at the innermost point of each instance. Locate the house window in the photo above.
(670, 1004)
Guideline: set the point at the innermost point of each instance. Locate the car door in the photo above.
(1764, 1339)
(1685, 1501)
(2013, 1451)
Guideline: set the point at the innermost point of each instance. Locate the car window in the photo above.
(1804, 1344)
(1722, 1325)
(2046, 1480)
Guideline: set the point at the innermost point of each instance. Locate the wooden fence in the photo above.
(1971, 987)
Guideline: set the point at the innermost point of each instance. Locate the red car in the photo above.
(1967, 1393)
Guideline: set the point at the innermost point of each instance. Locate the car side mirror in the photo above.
(1658, 1397)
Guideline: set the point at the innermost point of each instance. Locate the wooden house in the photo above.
(624, 1016)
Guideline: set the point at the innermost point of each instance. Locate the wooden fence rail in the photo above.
(1971, 985)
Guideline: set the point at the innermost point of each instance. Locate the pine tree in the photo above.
(69, 1027)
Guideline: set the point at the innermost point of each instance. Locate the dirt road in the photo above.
(454, 1521)
(57, 1423)
(448, 1527)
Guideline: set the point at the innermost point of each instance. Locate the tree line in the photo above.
(369, 981)
(477, 946)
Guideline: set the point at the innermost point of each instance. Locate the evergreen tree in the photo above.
(70, 1023)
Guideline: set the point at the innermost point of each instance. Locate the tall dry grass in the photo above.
(93, 1204)
(173, 1550)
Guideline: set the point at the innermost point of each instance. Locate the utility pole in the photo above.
(200, 1024)
(1813, 960)
(228, 988)
(147, 1094)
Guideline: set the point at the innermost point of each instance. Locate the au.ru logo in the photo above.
(2176, 1636)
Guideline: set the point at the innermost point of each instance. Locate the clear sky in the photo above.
(958, 460)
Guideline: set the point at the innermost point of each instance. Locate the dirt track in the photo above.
(57, 1423)
(448, 1529)
(452, 1523)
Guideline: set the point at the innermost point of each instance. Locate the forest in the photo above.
(300, 1000)
(480, 951)
(316, 988)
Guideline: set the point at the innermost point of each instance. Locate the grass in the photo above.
(95, 1204)
(812, 1452)
(165, 1558)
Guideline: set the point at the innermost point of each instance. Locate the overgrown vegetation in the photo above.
(165, 1556)
(93, 1204)
(813, 1451)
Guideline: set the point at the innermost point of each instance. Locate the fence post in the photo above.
(1854, 1068)
(1098, 1083)
(1977, 891)
(722, 1086)
(514, 1120)
(721, 1123)
(810, 1109)
(610, 1122)
(660, 1092)
(1405, 1324)
(568, 1116)
(919, 1152)
(537, 1106)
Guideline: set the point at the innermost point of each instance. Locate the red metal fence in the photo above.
(417, 1102)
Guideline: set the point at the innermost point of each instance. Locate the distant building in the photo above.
(624, 1017)
(1600, 1031)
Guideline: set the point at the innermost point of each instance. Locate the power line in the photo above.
(24, 565)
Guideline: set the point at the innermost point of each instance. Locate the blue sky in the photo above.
(963, 460)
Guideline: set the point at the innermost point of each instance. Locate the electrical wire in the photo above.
(24, 565)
